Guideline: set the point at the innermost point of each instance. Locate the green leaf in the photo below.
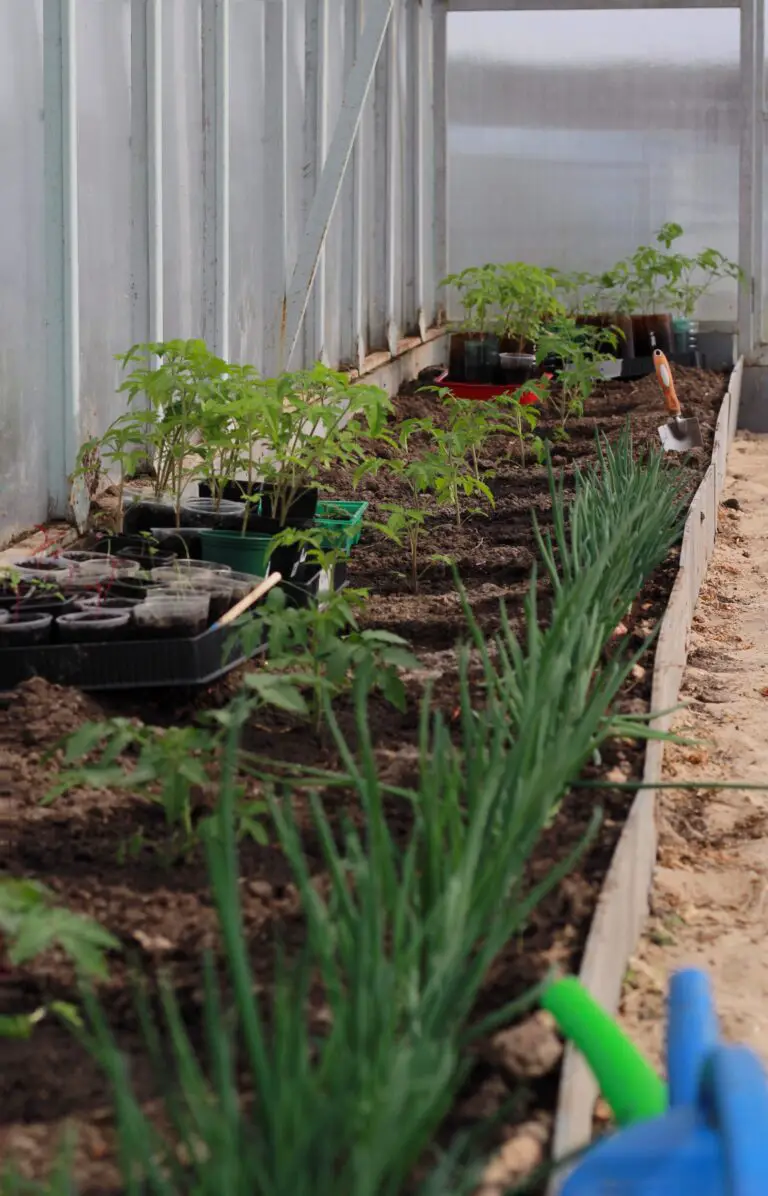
(380, 635)
(274, 690)
(19, 1026)
(393, 689)
(85, 740)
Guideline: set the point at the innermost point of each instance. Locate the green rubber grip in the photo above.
(626, 1079)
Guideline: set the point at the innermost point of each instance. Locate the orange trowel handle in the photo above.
(664, 375)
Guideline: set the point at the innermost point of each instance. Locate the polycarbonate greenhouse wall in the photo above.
(271, 175)
(594, 128)
(161, 160)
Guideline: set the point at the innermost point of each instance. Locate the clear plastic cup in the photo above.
(183, 565)
(218, 585)
(174, 615)
(242, 584)
(93, 626)
(108, 566)
(24, 629)
(171, 576)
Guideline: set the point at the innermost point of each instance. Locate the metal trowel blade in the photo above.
(680, 435)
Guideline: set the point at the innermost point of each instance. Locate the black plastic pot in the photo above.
(302, 588)
(132, 548)
(481, 359)
(149, 559)
(183, 541)
(93, 626)
(517, 368)
(207, 512)
(641, 367)
(625, 347)
(287, 560)
(652, 331)
(25, 629)
(148, 513)
(303, 508)
(132, 588)
(235, 490)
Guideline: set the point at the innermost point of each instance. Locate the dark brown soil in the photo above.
(162, 910)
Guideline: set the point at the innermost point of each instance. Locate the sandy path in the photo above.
(710, 895)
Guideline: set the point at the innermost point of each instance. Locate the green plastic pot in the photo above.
(343, 523)
(247, 553)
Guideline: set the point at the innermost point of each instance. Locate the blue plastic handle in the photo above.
(713, 1141)
(692, 1033)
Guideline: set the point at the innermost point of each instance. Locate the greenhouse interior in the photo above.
(383, 617)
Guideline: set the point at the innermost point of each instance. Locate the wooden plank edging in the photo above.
(623, 902)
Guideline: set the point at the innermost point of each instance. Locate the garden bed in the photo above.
(85, 845)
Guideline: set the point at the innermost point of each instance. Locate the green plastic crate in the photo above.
(343, 522)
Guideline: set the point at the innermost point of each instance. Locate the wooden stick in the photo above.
(261, 589)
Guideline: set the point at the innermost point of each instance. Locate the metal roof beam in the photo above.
(576, 5)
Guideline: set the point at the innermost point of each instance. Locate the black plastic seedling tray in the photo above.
(127, 664)
(640, 367)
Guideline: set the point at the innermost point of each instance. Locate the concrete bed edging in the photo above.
(623, 902)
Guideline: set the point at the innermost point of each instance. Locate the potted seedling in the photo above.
(173, 392)
(592, 299)
(24, 623)
(641, 285)
(527, 300)
(20, 593)
(229, 443)
(305, 422)
(690, 279)
(120, 447)
(474, 343)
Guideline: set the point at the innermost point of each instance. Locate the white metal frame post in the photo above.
(275, 181)
(440, 101)
(61, 251)
(353, 275)
(216, 175)
(315, 149)
(377, 18)
(747, 177)
(395, 178)
(147, 299)
(758, 264)
(750, 319)
(421, 86)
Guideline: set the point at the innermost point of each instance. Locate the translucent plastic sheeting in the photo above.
(150, 245)
(104, 194)
(23, 483)
(182, 99)
(574, 135)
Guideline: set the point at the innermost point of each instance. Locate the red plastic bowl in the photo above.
(486, 390)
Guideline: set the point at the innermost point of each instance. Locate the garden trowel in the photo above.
(678, 435)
